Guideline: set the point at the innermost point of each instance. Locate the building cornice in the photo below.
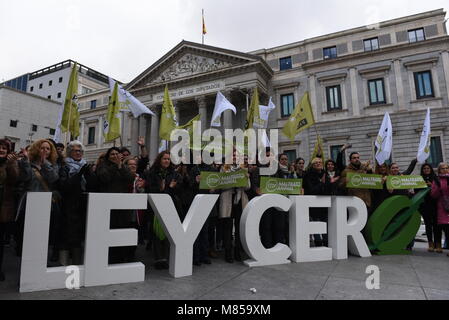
(380, 52)
(384, 24)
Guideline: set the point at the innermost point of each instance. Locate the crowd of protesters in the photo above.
(45, 167)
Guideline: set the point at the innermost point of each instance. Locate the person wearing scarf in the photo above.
(231, 204)
(428, 208)
(440, 192)
(73, 186)
(9, 172)
(318, 183)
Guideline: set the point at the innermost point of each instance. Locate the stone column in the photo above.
(154, 136)
(312, 95)
(134, 136)
(227, 115)
(399, 86)
(81, 137)
(355, 97)
(202, 110)
(445, 59)
(100, 132)
(142, 125)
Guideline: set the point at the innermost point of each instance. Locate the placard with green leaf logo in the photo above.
(406, 182)
(223, 180)
(280, 186)
(363, 181)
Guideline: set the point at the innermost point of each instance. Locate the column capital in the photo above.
(201, 101)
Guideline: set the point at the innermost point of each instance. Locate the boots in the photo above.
(77, 258)
(64, 257)
(438, 248)
(228, 256)
(431, 247)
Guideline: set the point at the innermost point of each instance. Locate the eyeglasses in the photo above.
(444, 168)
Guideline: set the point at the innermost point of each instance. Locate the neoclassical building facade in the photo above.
(399, 66)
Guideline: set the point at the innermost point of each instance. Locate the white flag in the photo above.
(264, 112)
(128, 102)
(221, 104)
(384, 141)
(424, 143)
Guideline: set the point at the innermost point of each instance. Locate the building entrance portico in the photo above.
(194, 73)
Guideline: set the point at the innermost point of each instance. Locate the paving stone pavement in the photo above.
(418, 276)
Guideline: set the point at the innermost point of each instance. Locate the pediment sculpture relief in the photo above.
(189, 65)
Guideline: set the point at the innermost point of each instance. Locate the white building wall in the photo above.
(28, 110)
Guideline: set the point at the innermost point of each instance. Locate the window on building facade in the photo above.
(436, 153)
(376, 91)
(52, 131)
(330, 53)
(334, 150)
(13, 146)
(85, 90)
(291, 155)
(31, 89)
(333, 97)
(49, 97)
(285, 63)
(13, 123)
(287, 104)
(423, 85)
(371, 44)
(50, 83)
(416, 35)
(60, 79)
(91, 136)
(93, 104)
(34, 127)
(59, 94)
(40, 85)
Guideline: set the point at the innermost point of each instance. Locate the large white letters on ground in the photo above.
(182, 235)
(347, 218)
(249, 230)
(301, 228)
(99, 238)
(34, 274)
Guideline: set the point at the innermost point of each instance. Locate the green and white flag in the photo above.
(270, 185)
(112, 124)
(424, 143)
(363, 181)
(405, 182)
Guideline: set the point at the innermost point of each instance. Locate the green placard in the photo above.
(280, 186)
(405, 182)
(223, 180)
(363, 181)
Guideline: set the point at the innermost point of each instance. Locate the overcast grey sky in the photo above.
(122, 38)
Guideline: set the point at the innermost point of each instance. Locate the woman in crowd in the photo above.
(114, 177)
(428, 208)
(162, 178)
(232, 202)
(9, 172)
(440, 192)
(317, 182)
(73, 181)
(40, 173)
(274, 223)
(334, 175)
(300, 165)
(137, 186)
(379, 195)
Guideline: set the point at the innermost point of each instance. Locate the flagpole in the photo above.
(202, 26)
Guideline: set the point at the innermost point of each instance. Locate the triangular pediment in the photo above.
(188, 60)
